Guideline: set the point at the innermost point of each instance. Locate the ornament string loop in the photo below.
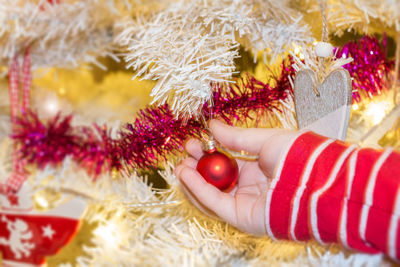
(324, 38)
(243, 155)
(322, 7)
(208, 142)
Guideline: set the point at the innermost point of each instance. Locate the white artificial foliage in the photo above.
(306, 58)
(357, 14)
(138, 225)
(186, 47)
(192, 44)
(179, 235)
(184, 60)
(128, 192)
(61, 34)
(286, 116)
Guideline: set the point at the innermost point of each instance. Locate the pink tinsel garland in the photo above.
(156, 133)
(370, 67)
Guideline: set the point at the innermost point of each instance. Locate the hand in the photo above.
(244, 205)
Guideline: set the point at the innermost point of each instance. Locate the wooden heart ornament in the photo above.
(327, 113)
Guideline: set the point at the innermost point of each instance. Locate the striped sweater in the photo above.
(336, 192)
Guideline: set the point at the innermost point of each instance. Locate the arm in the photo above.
(336, 192)
(315, 188)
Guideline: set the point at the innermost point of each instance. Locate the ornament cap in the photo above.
(209, 146)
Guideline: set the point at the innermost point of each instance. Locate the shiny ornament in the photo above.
(218, 168)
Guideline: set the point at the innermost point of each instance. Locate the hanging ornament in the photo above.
(323, 97)
(217, 168)
(28, 236)
(328, 111)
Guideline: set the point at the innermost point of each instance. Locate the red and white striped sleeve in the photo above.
(336, 192)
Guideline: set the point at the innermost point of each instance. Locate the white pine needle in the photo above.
(192, 44)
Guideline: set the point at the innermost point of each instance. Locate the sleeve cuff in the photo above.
(300, 179)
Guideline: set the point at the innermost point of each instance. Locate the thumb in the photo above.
(269, 144)
(242, 139)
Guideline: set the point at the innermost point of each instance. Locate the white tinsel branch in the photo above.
(179, 233)
(192, 44)
(184, 237)
(60, 34)
(306, 58)
(357, 14)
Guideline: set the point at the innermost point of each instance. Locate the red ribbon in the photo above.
(18, 176)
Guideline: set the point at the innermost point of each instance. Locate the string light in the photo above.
(298, 51)
(376, 111)
(49, 105)
(109, 233)
(41, 201)
(62, 91)
(111, 230)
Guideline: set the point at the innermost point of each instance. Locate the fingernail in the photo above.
(178, 170)
(215, 122)
(189, 142)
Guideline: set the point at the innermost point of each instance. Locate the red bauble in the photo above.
(218, 169)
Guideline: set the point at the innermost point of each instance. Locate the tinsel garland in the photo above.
(370, 68)
(156, 133)
(247, 96)
(43, 143)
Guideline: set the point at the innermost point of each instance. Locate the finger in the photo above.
(238, 139)
(190, 162)
(220, 203)
(193, 147)
(197, 203)
(188, 193)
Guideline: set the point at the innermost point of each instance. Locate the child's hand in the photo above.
(244, 205)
